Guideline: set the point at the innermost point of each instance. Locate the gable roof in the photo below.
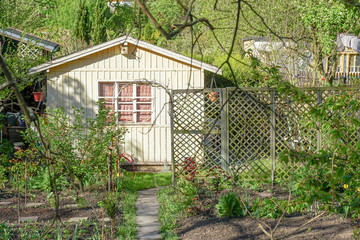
(27, 38)
(119, 41)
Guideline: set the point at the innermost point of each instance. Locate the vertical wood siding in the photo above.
(76, 83)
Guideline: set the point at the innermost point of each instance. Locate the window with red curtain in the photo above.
(132, 102)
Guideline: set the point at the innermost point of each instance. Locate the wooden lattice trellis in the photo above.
(28, 51)
(243, 129)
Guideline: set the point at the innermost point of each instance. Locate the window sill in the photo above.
(135, 124)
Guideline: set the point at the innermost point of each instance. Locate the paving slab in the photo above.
(5, 203)
(77, 219)
(70, 206)
(147, 208)
(34, 204)
(30, 218)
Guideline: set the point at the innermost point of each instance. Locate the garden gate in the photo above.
(242, 129)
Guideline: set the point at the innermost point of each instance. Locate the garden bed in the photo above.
(78, 219)
(198, 217)
(212, 227)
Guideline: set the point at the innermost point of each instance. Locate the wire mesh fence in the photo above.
(244, 129)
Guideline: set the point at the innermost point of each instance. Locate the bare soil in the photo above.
(87, 207)
(208, 226)
(211, 227)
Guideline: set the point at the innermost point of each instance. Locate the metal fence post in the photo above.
(272, 135)
(224, 125)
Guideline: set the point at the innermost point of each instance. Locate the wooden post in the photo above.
(224, 124)
(171, 112)
(319, 135)
(272, 135)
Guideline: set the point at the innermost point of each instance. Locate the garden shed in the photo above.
(111, 71)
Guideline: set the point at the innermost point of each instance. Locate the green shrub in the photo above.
(268, 208)
(230, 206)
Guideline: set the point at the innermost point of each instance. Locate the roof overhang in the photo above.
(27, 38)
(120, 41)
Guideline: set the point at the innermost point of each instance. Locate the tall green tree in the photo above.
(99, 23)
(82, 26)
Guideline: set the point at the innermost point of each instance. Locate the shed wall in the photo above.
(76, 83)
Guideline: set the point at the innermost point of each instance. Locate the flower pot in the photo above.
(38, 96)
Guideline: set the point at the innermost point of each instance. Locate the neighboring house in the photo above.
(107, 72)
(348, 65)
(293, 65)
(298, 69)
(26, 45)
(113, 3)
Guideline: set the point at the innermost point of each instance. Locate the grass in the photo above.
(170, 210)
(127, 229)
(143, 181)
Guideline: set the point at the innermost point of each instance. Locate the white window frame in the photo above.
(133, 102)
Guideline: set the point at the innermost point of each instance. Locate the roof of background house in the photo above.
(255, 38)
(348, 40)
(120, 41)
(27, 38)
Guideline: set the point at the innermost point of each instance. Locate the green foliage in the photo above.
(170, 210)
(24, 15)
(327, 18)
(247, 72)
(119, 22)
(167, 12)
(331, 175)
(143, 181)
(82, 24)
(81, 146)
(19, 67)
(230, 206)
(110, 205)
(6, 150)
(61, 14)
(99, 23)
(5, 232)
(128, 228)
(268, 208)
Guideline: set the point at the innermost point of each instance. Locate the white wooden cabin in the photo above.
(84, 77)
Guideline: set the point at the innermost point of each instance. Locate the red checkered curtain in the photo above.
(125, 93)
(107, 91)
(143, 92)
(143, 116)
(126, 113)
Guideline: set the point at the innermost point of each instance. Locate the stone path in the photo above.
(5, 203)
(33, 204)
(147, 208)
(31, 219)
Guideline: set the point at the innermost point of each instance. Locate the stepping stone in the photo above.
(149, 232)
(77, 219)
(147, 208)
(105, 219)
(70, 206)
(32, 218)
(5, 203)
(34, 204)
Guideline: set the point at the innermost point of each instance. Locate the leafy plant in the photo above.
(230, 206)
(269, 208)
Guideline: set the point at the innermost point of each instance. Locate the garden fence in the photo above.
(243, 129)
